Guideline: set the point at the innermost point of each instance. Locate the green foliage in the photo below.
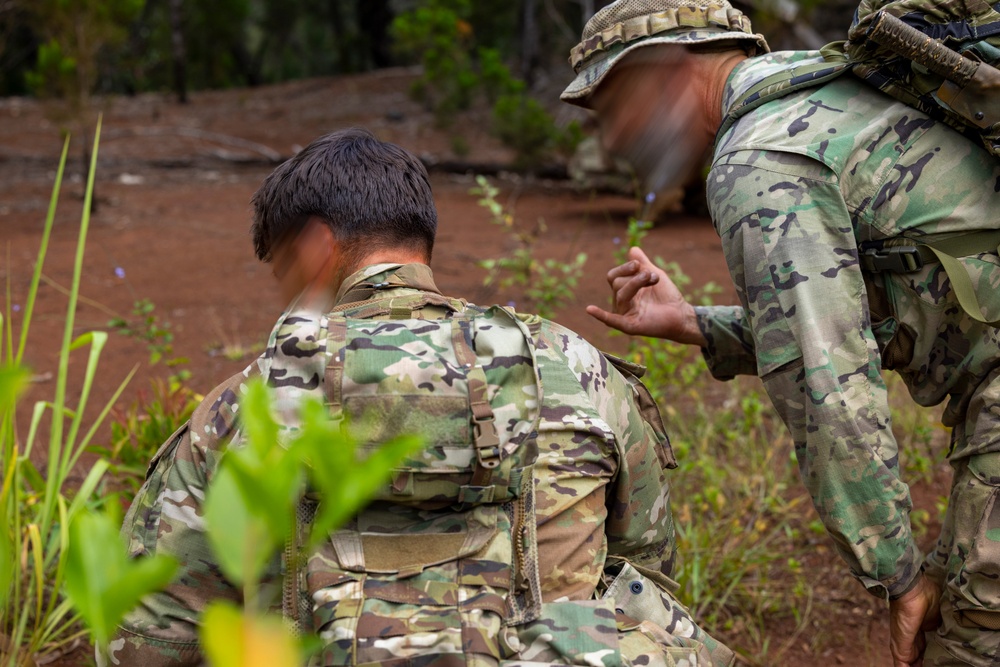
(250, 513)
(75, 32)
(523, 124)
(740, 524)
(101, 581)
(440, 34)
(250, 506)
(548, 285)
(38, 510)
(138, 430)
(146, 327)
(54, 72)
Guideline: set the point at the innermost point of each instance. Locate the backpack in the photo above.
(438, 565)
(941, 58)
(441, 569)
(895, 46)
(938, 56)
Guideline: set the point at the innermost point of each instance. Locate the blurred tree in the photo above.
(178, 52)
(75, 34)
(18, 46)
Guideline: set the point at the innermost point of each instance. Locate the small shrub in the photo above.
(438, 32)
(548, 285)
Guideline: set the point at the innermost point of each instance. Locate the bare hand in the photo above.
(917, 612)
(646, 302)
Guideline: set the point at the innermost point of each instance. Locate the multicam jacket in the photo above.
(795, 187)
(605, 538)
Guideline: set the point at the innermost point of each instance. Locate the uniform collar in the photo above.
(364, 284)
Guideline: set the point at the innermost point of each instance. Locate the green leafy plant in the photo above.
(522, 123)
(101, 581)
(39, 508)
(139, 429)
(250, 511)
(438, 33)
(145, 326)
(548, 285)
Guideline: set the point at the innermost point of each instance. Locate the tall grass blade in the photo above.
(29, 304)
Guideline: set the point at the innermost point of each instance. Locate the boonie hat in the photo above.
(625, 25)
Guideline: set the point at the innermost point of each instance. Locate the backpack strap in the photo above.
(785, 82)
(904, 254)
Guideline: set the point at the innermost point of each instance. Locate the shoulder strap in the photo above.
(783, 83)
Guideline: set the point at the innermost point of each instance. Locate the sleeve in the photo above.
(166, 517)
(640, 526)
(791, 250)
(592, 444)
(729, 351)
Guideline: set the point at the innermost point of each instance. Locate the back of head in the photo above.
(372, 194)
(627, 25)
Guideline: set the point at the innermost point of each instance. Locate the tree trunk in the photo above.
(374, 17)
(177, 50)
(529, 41)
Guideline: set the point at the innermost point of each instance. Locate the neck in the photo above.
(715, 73)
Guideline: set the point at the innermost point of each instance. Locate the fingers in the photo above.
(609, 319)
(637, 254)
(626, 289)
(625, 270)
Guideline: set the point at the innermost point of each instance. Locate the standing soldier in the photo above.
(797, 185)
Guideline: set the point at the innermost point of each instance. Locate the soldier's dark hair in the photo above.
(371, 193)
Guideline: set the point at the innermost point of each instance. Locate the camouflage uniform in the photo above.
(605, 538)
(795, 186)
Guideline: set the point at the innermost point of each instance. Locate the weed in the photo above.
(38, 508)
(145, 326)
(548, 285)
(139, 430)
(739, 518)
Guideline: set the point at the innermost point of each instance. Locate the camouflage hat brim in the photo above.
(579, 91)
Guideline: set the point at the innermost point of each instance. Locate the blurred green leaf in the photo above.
(232, 639)
(240, 540)
(344, 483)
(101, 581)
(13, 381)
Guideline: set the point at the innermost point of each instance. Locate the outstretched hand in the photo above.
(646, 302)
(917, 612)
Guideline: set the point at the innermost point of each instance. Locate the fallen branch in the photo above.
(269, 153)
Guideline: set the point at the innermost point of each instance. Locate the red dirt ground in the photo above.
(173, 216)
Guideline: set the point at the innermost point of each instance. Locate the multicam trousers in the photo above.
(966, 559)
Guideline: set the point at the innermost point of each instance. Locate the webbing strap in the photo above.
(983, 618)
(483, 422)
(948, 251)
(783, 83)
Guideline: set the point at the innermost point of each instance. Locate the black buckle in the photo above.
(897, 259)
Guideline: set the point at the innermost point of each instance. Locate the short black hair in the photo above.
(371, 193)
